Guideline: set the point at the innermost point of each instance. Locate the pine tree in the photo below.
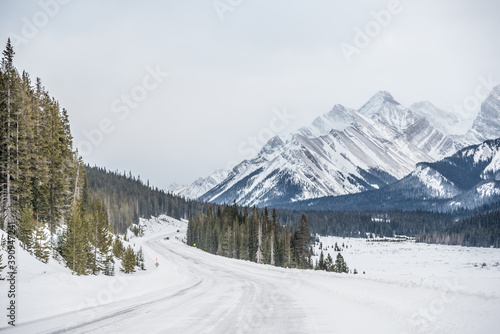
(140, 259)
(118, 248)
(75, 243)
(9, 110)
(100, 237)
(41, 247)
(329, 266)
(243, 252)
(128, 261)
(321, 262)
(110, 267)
(26, 227)
(253, 234)
(302, 243)
(341, 265)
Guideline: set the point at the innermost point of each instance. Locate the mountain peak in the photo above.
(383, 94)
(377, 102)
(272, 144)
(442, 120)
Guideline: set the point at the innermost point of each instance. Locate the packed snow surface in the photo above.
(406, 288)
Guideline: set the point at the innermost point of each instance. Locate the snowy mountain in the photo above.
(487, 124)
(342, 152)
(347, 151)
(200, 186)
(467, 179)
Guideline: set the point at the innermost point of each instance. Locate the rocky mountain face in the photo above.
(487, 123)
(468, 179)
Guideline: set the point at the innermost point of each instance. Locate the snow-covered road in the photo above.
(196, 292)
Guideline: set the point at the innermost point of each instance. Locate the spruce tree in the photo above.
(302, 243)
(341, 265)
(75, 242)
(140, 259)
(100, 238)
(9, 111)
(41, 248)
(128, 261)
(25, 228)
(329, 265)
(118, 248)
(321, 262)
(110, 267)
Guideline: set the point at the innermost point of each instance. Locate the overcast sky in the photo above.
(239, 69)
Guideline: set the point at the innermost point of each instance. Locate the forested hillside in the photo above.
(127, 198)
(38, 167)
(44, 199)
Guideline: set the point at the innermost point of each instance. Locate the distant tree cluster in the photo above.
(232, 232)
(478, 230)
(340, 266)
(356, 224)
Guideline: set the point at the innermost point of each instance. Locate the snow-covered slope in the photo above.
(444, 121)
(338, 118)
(487, 124)
(469, 179)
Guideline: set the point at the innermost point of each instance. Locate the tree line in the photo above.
(477, 230)
(233, 232)
(356, 224)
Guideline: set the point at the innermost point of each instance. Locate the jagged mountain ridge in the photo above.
(346, 151)
(468, 179)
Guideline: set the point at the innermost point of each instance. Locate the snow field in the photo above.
(407, 288)
(459, 282)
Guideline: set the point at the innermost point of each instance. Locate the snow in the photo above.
(445, 121)
(488, 189)
(407, 288)
(201, 185)
(493, 169)
(435, 182)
